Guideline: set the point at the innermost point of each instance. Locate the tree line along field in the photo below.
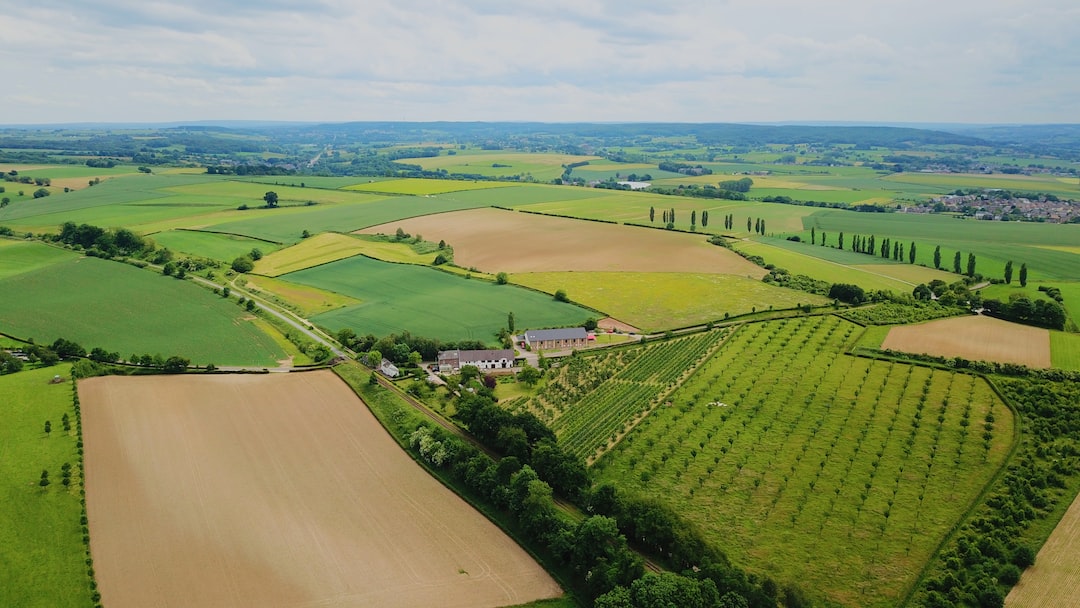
(839, 472)
(41, 541)
(123, 309)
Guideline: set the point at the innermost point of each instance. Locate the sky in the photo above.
(953, 61)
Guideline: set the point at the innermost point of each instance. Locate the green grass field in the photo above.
(1065, 350)
(41, 549)
(426, 302)
(799, 263)
(422, 187)
(837, 473)
(17, 257)
(994, 243)
(223, 247)
(503, 163)
(130, 311)
(666, 300)
(286, 225)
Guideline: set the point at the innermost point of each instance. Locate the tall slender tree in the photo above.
(813, 236)
(693, 217)
(937, 257)
(911, 254)
(840, 241)
(748, 224)
(652, 214)
(956, 263)
(971, 265)
(1008, 272)
(1023, 275)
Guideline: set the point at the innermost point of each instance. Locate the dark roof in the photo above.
(543, 335)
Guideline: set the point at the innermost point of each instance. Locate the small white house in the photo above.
(388, 369)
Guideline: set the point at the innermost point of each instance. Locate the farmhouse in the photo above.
(452, 360)
(549, 339)
(389, 369)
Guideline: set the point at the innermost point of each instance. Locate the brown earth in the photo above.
(610, 324)
(1054, 580)
(495, 240)
(277, 490)
(977, 338)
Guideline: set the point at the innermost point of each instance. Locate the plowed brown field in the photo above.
(277, 490)
(494, 240)
(1054, 580)
(976, 338)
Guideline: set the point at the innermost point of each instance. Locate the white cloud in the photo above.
(562, 60)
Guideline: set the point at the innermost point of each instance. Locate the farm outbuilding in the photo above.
(555, 339)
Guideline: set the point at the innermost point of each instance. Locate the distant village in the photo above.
(1002, 205)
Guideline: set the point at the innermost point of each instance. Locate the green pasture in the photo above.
(948, 182)
(74, 171)
(823, 270)
(837, 473)
(285, 225)
(130, 311)
(252, 192)
(503, 163)
(310, 181)
(222, 247)
(659, 301)
(912, 274)
(424, 301)
(993, 243)
(17, 257)
(423, 187)
(42, 554)
(1065, 350)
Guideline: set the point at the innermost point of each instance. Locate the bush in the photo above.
(560, 295)
(243, 264)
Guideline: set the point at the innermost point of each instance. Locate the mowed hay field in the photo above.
(273, 491)
(657, 301)
(977, 338)
(495, 240)
(321, 249)
(1054, 580)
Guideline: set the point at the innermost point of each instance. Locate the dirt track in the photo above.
(494, 240)
(276, 490)
(975, 338)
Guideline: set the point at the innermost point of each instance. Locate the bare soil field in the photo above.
(976, 338)
(1054, 580)
(494, 240)
(277, 490)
